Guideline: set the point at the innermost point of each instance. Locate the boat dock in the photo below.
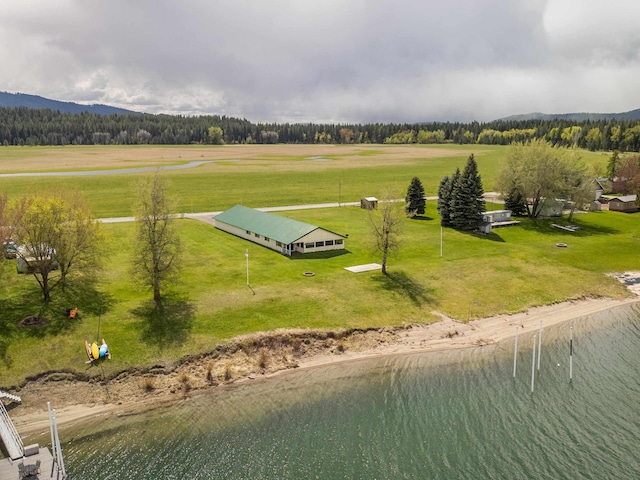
(37, 465)
(30, 461)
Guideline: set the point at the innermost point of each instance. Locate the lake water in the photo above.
(444, 415)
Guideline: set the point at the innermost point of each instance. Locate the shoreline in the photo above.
(135, 392)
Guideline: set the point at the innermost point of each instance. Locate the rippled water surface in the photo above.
(451, 415)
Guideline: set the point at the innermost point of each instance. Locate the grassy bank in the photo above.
(477, 276)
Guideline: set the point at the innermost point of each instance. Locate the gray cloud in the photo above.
(327, 60)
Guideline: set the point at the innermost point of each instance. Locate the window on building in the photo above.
(247, 232)
(308, 245)
(279, 244)
(256, 235)
(328, 243)
(339, 241)
(319, 244)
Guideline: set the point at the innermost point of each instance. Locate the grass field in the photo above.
(476, 276)
(255, 176)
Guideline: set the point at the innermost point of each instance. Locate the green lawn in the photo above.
(477, 275)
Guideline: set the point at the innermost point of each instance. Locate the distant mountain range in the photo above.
(33, 101)
(575, 117)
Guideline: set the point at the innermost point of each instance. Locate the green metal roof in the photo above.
(281, 229)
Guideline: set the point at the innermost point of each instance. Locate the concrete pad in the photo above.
(364, 268)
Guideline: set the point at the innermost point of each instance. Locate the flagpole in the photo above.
(246, 255)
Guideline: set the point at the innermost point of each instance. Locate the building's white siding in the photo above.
(317, 241)
(496, 216)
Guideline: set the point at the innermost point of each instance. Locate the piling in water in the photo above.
(515, 354)
(539, 345)
(533, 363)
(570, 353)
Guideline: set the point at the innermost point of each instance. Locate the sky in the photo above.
(334, 61)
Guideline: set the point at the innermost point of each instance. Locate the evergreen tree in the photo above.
(515, 202)
(614, 165)
(415, 201)
(467, 204)
(445, 190)
(444, 197)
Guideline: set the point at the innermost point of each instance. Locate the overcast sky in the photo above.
(327, 60)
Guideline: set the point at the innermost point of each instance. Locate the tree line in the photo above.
(27, 126)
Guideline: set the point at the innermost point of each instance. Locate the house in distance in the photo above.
(281, 234)
(625, 203)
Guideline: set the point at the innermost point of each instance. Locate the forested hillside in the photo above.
(34, 101)
(27, 126)
(577, 117)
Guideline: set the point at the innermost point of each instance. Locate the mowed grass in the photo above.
(477, 275)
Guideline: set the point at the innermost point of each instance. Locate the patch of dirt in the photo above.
(33, 321)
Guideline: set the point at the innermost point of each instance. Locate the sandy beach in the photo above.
(131, 392)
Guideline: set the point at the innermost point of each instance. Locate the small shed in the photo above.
(551, 207)
(369, 203)
(625, 203)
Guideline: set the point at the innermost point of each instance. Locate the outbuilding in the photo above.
(625, 203)
(28, 257)
(369, 203)
(496, 218)
(281, 234)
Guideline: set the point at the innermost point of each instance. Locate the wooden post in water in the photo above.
(570, 353)
(515, 354)
(539, 345)
(533, 363)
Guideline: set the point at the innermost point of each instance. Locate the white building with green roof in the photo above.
(281, 234)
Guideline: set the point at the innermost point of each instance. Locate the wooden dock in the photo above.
(9, 469)
(30, 461)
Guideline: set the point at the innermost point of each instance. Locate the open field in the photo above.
(477, 276)
(252, 175)
(36, 159)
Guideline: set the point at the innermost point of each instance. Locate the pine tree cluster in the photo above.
(460, 201)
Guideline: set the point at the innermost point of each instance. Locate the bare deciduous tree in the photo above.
(386, 226)
(157, 244)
